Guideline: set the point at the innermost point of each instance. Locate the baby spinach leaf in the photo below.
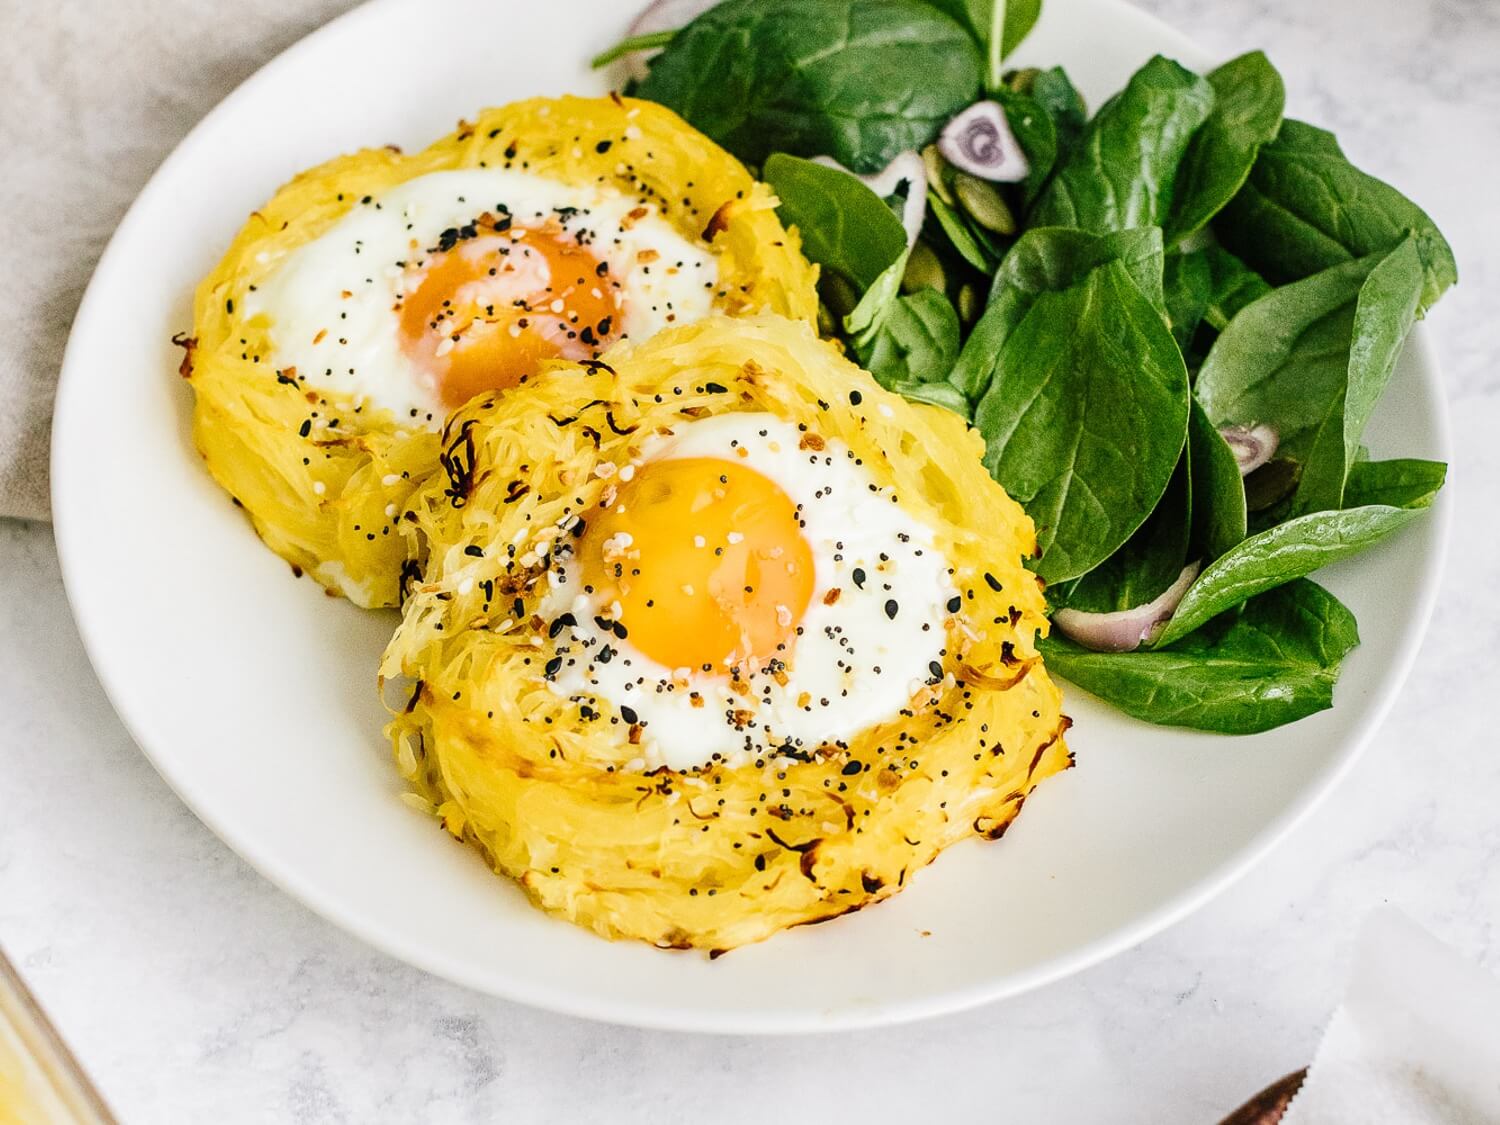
(846, 229)
(1273, 662)
(1311, 359)
(916, 343)
(1207, 286)
(1248, 100)
(1402, 483)
(1085, 414)
(1123, 172)
(1232, 286)
(1150, 561)
(1276, 556)
(1047, 118)
(858, 80)
(1383, 316)
(869, 314)
(647, 42)
(1054, 91)
(1219, 515)
(935, 394)
(1306, 208)
(1047, 260)
(1020, 18)
(1284, 361)
(1187, 286)
(844, 225)
(959, 236)
(1036, 133)
(997, 25)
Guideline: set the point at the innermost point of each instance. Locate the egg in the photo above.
(459, 282)
(716, 637)
(374, 294)
(750, 585)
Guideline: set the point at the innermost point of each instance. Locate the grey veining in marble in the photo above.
(195, 991)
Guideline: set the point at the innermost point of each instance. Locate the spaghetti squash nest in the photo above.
(550, 788)
(321, 473)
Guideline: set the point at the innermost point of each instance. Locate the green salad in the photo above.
(1170, 320)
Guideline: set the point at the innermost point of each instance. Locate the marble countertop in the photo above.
(193, 990)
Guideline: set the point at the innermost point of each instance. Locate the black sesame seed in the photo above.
(993, 582)
(955, 604)
(859, 577)
(890, 608)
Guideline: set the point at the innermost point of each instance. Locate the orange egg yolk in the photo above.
(707, 561)
(488, 309)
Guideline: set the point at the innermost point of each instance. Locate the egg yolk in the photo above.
(487, 310)
(707, 561)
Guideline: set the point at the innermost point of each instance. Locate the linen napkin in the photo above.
(98, 94)
(1415, 1042)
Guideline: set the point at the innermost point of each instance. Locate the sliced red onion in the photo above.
(1127, 629)
(979, 141)
(663, 15)
(907, 168)
(1253, 446)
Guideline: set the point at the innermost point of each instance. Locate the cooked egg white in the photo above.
(749, 587)
(461, 281)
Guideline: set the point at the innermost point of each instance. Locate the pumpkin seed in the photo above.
(1021, 81)
(968, 302)
(838, 294)
(938, 171)
(923, 270)
(984, 203)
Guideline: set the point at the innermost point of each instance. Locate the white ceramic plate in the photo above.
(254, 694)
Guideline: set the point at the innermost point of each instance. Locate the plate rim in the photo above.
(666, 1016)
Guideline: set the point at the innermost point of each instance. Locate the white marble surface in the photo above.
(195, 991)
